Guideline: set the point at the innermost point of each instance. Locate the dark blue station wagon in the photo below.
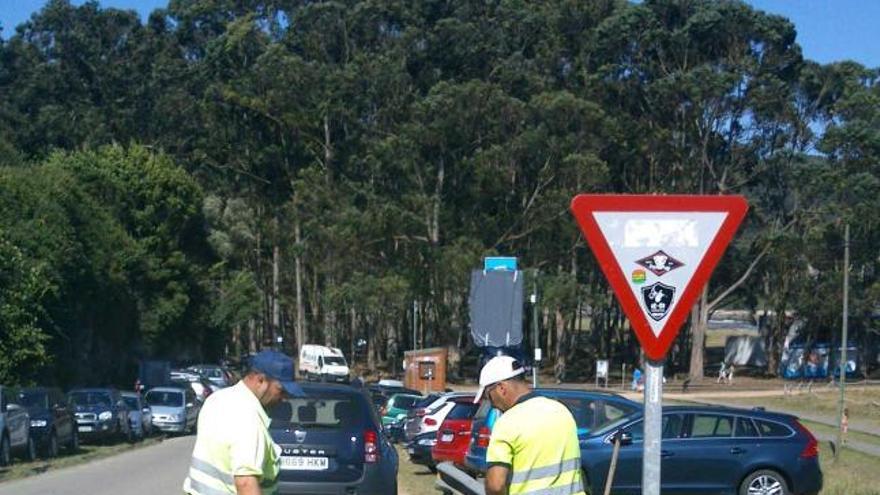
(711, 450)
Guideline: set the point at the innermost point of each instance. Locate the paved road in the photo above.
(154, 470)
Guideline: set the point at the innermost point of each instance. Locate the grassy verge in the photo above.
(853, 474)
(823, 429)
(413, 479)
(19, 469)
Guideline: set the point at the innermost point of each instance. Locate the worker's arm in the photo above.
(496, 479)
(247, 485)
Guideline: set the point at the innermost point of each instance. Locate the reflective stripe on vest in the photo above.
(196, 487)
(546, 471)
(212, 471)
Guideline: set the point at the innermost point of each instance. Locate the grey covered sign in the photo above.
(496, 308)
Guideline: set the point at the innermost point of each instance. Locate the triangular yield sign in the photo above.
(658, 252)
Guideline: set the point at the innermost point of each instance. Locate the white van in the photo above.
(327, 364)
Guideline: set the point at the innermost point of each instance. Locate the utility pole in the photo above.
(537, 356)
(843, 342)
(415, 324)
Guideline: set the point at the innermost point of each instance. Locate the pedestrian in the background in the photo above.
(722, 372)
(637, 379)
(234, 453)
(534, 445)
(844, 424)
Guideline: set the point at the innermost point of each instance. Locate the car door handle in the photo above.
(665, 453)
(737, 451)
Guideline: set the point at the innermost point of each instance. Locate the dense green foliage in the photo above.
(371, 152)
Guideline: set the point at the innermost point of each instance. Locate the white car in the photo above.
(433, 416)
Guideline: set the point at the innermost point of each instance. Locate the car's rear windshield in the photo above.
(462, 410)
(33, 398)
(164, 398)
(90, 399)
(404, 401)
(322, 409)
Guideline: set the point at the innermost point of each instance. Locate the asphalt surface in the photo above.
(154, 470)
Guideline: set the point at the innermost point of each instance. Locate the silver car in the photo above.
(15, 424)
(139, 414)
(174, 409)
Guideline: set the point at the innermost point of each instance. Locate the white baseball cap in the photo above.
(498, 369)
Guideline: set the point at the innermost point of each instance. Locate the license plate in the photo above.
(305, 463)
(85, 428)
(446, 437)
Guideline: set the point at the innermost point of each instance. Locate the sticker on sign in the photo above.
(658, 252)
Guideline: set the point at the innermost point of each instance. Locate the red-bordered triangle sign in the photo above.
(658, 252)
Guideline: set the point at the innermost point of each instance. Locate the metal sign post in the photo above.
(652, 428)
(657, 253)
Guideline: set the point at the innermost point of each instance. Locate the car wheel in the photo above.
(764, 482)
(30, 454)
(73, 446)
(5, 454)
(52, 446)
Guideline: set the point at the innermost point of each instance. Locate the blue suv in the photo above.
(710, 450)
(591, 410)
(332, 442)
(101, 414)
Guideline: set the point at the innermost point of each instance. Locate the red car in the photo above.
(454, 435)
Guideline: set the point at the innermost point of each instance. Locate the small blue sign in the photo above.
(504, 263)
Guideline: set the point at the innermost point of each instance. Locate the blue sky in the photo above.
(828, 30)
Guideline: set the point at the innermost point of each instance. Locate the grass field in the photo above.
(854, 474)
(87, 453)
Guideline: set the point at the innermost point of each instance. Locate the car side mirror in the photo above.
(190, 404)
(12, 407)
(623, 436)
(145, 410)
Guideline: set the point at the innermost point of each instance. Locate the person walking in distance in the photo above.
(234, 453)
(534, 445)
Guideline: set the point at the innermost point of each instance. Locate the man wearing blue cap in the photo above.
(234, 453)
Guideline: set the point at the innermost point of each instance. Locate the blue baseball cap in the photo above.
(277, 366)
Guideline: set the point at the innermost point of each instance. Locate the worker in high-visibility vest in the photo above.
(234, 453)
(534, 445)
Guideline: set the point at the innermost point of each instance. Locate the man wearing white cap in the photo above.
(534, 445)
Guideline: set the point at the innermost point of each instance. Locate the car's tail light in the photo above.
(430, 422)
(811, 450)
(371, 447)
(483, 436)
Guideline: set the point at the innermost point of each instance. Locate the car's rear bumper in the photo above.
(376, 480)
(808, 478)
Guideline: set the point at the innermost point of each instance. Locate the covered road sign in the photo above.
(658, 252)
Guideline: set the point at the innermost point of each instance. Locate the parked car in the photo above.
(174, 409)
(189, 379)
(15, 435)
(433, 416)
(101, 414)
(396, 407)
(214, 373)
(52, 422)
(381, 393)
(140, 415)
(394, 414)
(710, 450)
(327, 364)
(454, 435)
(332, 442)
(591, 410)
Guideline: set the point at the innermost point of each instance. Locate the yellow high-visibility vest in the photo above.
(537, 440)
(233, 440)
